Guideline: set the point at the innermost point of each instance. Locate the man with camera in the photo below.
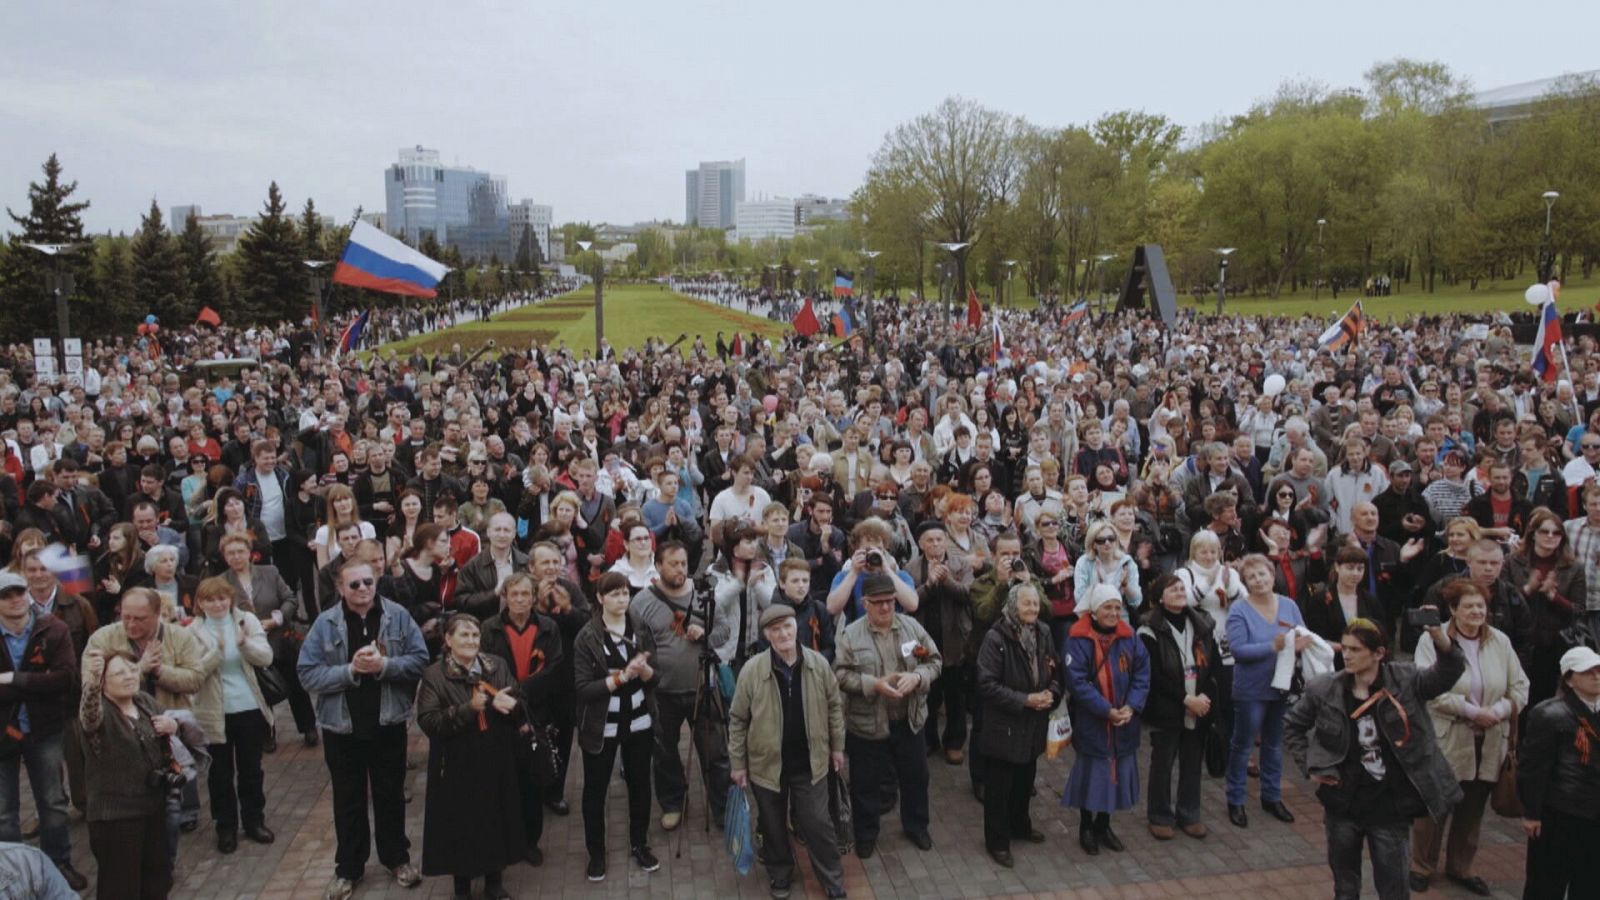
(869, 555)
(989, 592)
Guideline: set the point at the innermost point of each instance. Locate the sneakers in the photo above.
(339, 889)
(670, 820)
(406, 875)
(778, 889)
(646, 860)
(597, 869)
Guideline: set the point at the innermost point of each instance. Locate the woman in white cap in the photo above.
(1558, 781)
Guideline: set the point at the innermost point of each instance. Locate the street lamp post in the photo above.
(1011, 268)
(315, 284)
(866, 288)
(811, 266)
(1222, 275)
(58, 281)
(954, 248)
(599, 298)
(1322, 260)
(1547, 256)
(1100, 275)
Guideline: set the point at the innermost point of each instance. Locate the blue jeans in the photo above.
(1252, 718)
(43, 758)
(1389, 846)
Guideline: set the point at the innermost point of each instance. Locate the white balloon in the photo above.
(1537, 294)
(1274, 385)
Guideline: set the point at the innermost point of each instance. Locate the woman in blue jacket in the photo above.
(1108, 679)
(1257, 632)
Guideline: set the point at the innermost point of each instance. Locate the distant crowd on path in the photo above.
(831, 564)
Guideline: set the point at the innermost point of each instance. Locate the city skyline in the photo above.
(206, 109)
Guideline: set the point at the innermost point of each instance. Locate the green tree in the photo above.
(52, 218)
(113, 284)
(159, 285)
(199, 261)
(311, 232)
(272, 274)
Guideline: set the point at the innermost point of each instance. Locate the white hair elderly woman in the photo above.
(176, 588)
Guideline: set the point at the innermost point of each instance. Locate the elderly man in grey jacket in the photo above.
(886, 663)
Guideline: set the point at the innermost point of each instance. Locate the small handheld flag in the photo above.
(1546, 342)
(974, 311)
(844, 283)
(806, 323)
(1344, 332)
(208, 316)
(1075, 312)
(350, 338)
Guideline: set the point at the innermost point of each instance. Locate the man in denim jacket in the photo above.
(360, 663)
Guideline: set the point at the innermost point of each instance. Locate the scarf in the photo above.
(1027, 636)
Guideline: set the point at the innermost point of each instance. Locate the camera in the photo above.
(874, 558)
(1018, 566)
(164, 779)
(1426, 617)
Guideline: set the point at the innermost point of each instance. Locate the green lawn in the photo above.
(633, 312)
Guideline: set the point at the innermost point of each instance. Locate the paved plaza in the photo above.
(1267, 860)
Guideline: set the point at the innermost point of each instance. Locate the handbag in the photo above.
(274, 686)
(1504, 800)
(844, 829)
(541, 750)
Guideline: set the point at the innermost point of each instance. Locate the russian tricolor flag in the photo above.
(1546, 341)
(352, 333)
(378, 262)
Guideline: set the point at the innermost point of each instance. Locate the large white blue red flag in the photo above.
(1546, 341)
(378, 262)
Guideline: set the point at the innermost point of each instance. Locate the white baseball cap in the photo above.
(1579, 659)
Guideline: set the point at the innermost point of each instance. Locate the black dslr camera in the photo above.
(165, 779)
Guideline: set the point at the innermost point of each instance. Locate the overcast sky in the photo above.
(598, 108)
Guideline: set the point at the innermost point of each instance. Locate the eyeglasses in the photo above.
(881, 601)
(360, 583)
(1549, 532)
(1105, 539)
(1047, 523)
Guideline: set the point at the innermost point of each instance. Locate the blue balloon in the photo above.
(150, 319)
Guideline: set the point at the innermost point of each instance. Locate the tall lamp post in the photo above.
(1222, 275)
(866, 289)
(599, 297)
(315, 284)
(811, 266)
(954, 248)
(1547, 256)
(1100, 275)
(58, 282)
(1011, 269)
(1322, 260)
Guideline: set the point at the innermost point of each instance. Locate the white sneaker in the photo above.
(671, 820)
(339, 889)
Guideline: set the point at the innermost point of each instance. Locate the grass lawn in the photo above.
(1407, 300)
(633, 313)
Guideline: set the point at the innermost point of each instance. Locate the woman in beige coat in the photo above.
(230, 708)
(1473, 721)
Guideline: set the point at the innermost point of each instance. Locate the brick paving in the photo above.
(1267, 860)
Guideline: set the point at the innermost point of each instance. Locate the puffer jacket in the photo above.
(1316, 731)
(755, 719)
(1012, 731)
(856, 662)
(1559, 764)
(730, 594)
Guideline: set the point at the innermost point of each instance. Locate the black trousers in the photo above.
(949, 694)
(355, 766)
(1186, 747)
(1005, 802)
(901, 757)
(131, 857)
(1562, 861)
(562, 710)
(636, 750)
(532, 802)
(672, 783)
(238, 758)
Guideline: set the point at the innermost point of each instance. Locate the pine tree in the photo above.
(199, 262)
(113, 281)
(25, 308)
(311, 231)
(159, 285)
(272, 275)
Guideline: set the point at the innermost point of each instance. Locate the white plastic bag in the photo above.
(1059, 733)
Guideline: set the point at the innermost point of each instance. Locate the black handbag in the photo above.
(540, 752)
(839, 811)
(274, 686)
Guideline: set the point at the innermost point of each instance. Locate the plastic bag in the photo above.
(839, 811)
(741, 839)
(1059, 733)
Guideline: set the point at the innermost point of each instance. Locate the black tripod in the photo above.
(710, 708)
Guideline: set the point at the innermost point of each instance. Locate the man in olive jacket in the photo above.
(886, 663)
(785, 730)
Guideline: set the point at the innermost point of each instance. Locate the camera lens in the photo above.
(874, 558)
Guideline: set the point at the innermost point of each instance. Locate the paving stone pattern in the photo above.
(1269, 859)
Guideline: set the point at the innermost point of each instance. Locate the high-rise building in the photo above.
(458, 205)
(810, 208)
(712, 194)
(526, 215)
(762, 220)
(179, 215)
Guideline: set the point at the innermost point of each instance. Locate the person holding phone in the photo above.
(1365, 737)
(615, 685)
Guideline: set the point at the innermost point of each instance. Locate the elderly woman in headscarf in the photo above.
(1020, 680)
(1108, 679)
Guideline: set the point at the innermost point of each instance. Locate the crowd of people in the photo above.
(1377, 566)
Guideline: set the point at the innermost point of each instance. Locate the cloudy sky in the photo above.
(597, 108)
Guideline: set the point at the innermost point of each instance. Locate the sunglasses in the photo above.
(1591, 446)
(360, 583)
(1048, 524)
(1104, 539)
(881, 601)
(1549, 532)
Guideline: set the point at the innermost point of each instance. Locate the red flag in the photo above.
(806, 322)
(208, 316)
(738, 344)
(974, 311)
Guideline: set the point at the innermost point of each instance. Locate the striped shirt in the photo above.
(1585, 540)
(627, 711)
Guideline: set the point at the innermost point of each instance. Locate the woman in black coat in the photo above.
(1019, 681)
(1184, 664)
(1345, 597)
(530, 644)
(467, 705)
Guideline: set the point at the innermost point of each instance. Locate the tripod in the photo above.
(710, 708)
